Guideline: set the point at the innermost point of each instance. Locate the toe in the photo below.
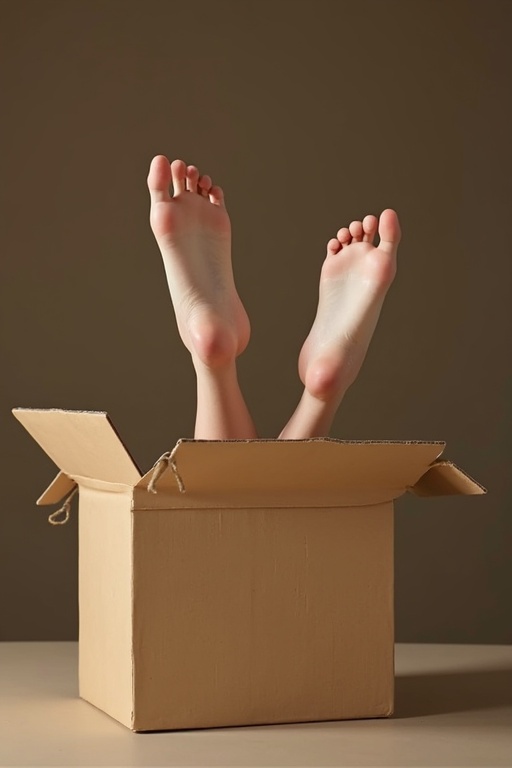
(344, 236)
(356, 230)
(204, 185)
(216, 196)
(192, 178)
(159, 178)
(333, 246)
(389, 230)
(179, 172)
(370, 223)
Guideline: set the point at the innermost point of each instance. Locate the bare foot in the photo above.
(355, 278)
(193, 232)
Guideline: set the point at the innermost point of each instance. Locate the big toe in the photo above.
(159, 178)
(389, 230)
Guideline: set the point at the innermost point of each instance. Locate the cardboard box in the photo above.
(254, 586)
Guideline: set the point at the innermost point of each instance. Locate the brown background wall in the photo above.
(309, 114)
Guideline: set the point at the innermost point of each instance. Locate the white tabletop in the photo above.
(453, 708)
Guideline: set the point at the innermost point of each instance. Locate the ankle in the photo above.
(221, 376)
(312, 418)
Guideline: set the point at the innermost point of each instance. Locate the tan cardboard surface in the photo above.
(446, 479)
(105, 602)
(58, 488)
(260, 616)
(81, 443)
(299, 466)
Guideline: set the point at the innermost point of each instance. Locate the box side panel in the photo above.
(262, 616)
(105, 601)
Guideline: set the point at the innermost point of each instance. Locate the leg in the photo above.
(193, 232)
(355, 278)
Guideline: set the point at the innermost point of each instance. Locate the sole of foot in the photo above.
(191, 225)
(355, 278)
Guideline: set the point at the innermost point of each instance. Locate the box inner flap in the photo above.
(58, 488)
(280, 465)
(444, 478)
(82, 443)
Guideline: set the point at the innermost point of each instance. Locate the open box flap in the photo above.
(60, 486)
(444, 478)
(81, 443)
(319, 464)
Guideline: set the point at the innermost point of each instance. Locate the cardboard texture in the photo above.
(254, 586)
